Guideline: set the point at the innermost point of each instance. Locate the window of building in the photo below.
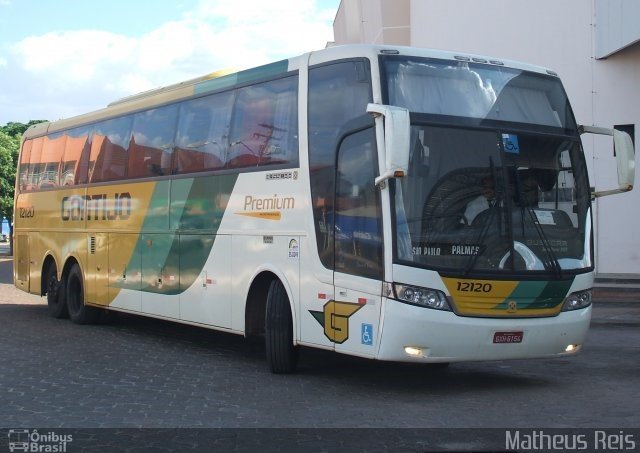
(629, 129)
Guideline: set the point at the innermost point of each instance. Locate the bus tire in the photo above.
(56, 302)
(282, 355)
(78, 311)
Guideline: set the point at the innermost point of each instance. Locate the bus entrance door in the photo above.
(358, 248)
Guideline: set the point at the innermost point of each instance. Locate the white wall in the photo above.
(618, 25)
(616, 100)
(372, 22)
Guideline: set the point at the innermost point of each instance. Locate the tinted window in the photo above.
(203, 133)
(264, 129)
(476, 90)
(35, 164)
(338, 93)
(151, 143)
(52, 150)
(73, 169)
(108, 160)
(23, 172)
(358, 230)
(251, 126)
(506, 202)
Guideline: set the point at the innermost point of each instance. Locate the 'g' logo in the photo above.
(335, 319)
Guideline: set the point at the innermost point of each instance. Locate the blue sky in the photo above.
(66, 57)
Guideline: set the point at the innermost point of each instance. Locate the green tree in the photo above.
(17, 129)
(10, 136)
(8, 158)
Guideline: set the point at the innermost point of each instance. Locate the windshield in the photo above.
(487, 200)
(474, 90)
(497, 181)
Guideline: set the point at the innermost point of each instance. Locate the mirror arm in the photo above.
(396, 140)
(625, 158)
(380, 180)
(595, 130)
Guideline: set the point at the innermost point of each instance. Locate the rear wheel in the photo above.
(56, 303)
(282, 355)
(78, 311)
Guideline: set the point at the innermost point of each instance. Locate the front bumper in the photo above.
(442, 336)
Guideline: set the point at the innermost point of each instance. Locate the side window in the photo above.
(358, 227)
(108, 159)
(23, 172)
(338, 93)
(35, 164)
(203, 133)
(151, 145)
(264, 127)
(73, 169)
(52, 150)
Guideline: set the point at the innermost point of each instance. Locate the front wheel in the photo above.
(78, 311)
(282, 355)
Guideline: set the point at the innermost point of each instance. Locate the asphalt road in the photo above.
(145, 373)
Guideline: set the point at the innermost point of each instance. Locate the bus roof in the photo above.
(228, 78)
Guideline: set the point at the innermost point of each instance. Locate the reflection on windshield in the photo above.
(493, 201)
(472, 90)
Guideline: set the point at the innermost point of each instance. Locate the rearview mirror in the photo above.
(396, 140)
(625, 158)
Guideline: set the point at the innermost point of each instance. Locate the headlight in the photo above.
(425, 297)
(576, 301)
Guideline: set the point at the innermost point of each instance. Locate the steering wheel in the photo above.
(532, 262)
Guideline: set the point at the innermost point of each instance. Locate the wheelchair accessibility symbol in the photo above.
(367, 334)
(510, 143)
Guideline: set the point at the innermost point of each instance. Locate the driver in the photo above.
(482, 202)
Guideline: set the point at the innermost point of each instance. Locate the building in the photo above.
(594, 45)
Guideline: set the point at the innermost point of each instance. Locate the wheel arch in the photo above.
(256, 301)
(49, 260)
(68, 264)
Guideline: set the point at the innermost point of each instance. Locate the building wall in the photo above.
(373, 22)
(616, 101)
(561, 35)
(617, 25)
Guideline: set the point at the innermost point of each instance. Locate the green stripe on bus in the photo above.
(197, 208)
(537, 295)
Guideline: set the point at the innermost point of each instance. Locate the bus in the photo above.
(320, 202)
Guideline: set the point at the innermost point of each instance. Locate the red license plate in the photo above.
(507, 337)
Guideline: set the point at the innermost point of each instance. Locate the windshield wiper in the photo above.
(493, 209)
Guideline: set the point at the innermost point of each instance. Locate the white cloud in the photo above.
(76, 55)
(3, 62)
(218, 34)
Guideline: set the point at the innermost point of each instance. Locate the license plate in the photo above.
(507, 337)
